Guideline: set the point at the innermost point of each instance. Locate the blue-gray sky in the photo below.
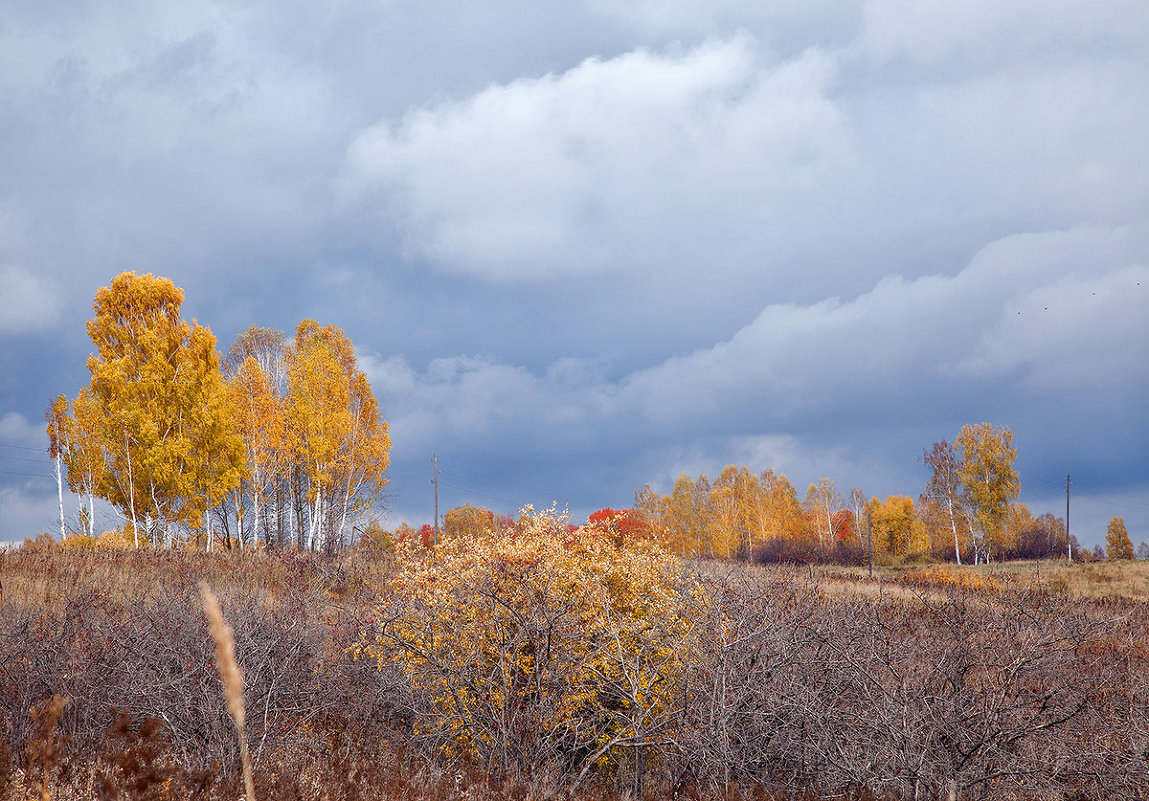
(585, 246)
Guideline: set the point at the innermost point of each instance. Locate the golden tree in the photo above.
(897, 530)
(262, 422)
(468, 522)
(165, 426)
(1117, 542)
(338, 441)
(988, 479)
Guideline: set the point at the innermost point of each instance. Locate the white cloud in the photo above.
(1071, 333)
(893, 343)
(14, 427)
(933, 32)
(635, 160)
(23, 516)
(28, 303)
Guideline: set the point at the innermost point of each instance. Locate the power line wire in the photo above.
(28, 475)
(21, 447)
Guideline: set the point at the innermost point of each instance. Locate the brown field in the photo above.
(1024, 680)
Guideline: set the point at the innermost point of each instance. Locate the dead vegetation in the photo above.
(997, 683)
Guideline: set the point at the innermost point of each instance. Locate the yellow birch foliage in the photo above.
(988, 477)
(165, 424)
(260, 418)
(334, 428)
(897, 530)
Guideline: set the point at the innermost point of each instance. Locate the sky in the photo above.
(585, 246)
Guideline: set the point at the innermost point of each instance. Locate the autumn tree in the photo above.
(1117, 542)
(822, 501)
(57, 418)
(736, 499)
(856, 503)
(988, 478)
(262, 422)
(897, 530)
(171, 445)
(339, 443)
(651, 508)
(945, 489)
(546, 647)
(685, 516)
(786, 532)
(85, 456)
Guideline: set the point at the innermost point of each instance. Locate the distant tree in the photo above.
(857, 504)
(1117, 542)
(623, 526)
(945, 489)
(745, 502)
(822, 501)
(340, 444)
(897, 530)
(1143, 550)
(786, 529)
(58, 419)
(260, 416)
(989, 480)
(684, 518)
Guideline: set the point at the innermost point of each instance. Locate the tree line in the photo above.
(279, 442)
(968, 512)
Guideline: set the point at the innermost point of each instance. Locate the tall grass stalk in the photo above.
(232, 677)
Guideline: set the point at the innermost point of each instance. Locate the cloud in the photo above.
(632, 162)
(14, 427)
(22, 515)
(908, 342)
(28, 302)
(992, 31)
(786, 25)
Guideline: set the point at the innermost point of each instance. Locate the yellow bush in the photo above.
(950, 576)
(541, 644)
(80, 541)
(120, 539)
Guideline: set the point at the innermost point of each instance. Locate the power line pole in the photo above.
(1068, 542)
(435, 462)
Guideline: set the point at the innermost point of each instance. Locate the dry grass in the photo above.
(1123, 580)
(806, 649)
(232, 677)
(1127, 580)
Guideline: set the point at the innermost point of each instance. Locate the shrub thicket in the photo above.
(520, 665)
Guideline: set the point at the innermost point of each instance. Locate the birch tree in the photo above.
(340, 444)
(166, 429)
(945, 489)
(988, 478)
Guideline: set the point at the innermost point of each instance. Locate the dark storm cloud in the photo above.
(588, 245)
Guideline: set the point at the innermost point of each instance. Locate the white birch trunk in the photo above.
(131, 492)
(953, 524)
(60, 495)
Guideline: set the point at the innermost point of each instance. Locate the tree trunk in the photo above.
(60, 496)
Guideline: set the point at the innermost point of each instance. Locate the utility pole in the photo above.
(435, 462)
(1068, 542)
